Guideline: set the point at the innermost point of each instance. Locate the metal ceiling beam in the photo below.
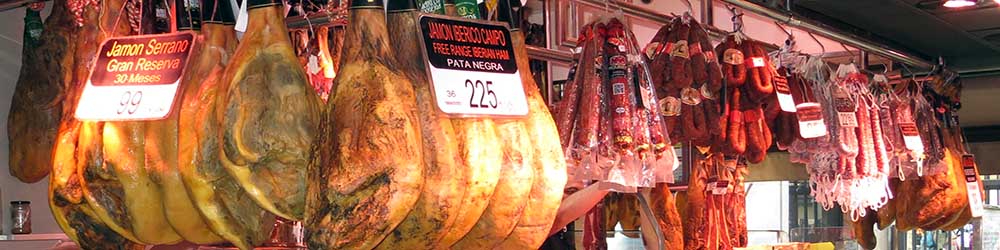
(6, 5)
(834, 34)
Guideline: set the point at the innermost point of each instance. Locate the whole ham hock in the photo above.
(75, 146)
(269, 114)
(229, 211)
(39, 95)
(369, 171)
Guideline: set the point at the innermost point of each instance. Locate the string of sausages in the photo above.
(608, 117)
(861, 135)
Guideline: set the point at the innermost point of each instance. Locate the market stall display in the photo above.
(346, 129)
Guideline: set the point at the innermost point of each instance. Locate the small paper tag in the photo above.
(721, 187)
(652, 50)
(785, 99)
(732, 56)
(811, 123)
(972, 184)
(670, 106)
(680, 49)
(313, 66)
(757, 62)
(911, 137)
(241, 18)
(690, 96)
(705, 93)
(847, 119)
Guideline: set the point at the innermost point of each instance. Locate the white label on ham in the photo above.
(785, 99)
(811, 123)
(135, 77)
(313, 66)
(472, 67)
(972, 184)
(911, 137)
(241, 16)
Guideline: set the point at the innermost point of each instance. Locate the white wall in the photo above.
(11, 189)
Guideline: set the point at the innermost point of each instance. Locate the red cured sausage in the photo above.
(881, 152)
(622, 92)
(571, 98)
(755, 141)
(736, 135)
(866, 150)
(680, 63)
(762, 76)
(731, 62)
(696, 43)
(585, 134)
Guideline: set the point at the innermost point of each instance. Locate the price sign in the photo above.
(135, 77)
(784, 93)
(472, 67)
(972, 184)
(811, 123)
(911, 137)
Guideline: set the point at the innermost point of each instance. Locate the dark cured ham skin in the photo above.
(37, 106)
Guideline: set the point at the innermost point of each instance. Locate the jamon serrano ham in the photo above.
(162, 148)
(76, 147)
(696, 225)
(225, 207)
(444, 172)
(37, 104)
(548, 162)
(669, 220)
(269, 114)
(931, 201)
(864, 233)
(368, 173)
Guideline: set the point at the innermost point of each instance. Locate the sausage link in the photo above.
(680, 63)
(733, 70)
(571, 93)
(881, 155)
(699, 64)
(586, 132)
(736, 134)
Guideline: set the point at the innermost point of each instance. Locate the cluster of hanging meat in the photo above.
(608, 118)
(395, 172)
(230, 156)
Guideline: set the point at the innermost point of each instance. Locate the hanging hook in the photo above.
(737, 19)
(821, 47)
(848, 52)
(688, 4)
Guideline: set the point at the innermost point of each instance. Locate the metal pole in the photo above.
(837, 35)
(707, 16)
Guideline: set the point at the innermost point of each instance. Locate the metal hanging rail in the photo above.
(834, 34)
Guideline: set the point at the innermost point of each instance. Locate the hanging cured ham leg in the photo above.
(548, 161)
(161, 149)
(513, 189)
(368, 173)
(37, 105)
(76, 147)
(229, 212)
(478, 139)
(269, 114)
(444, 173)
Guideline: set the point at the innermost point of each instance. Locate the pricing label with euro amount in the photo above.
(135, 77)
(472, 67)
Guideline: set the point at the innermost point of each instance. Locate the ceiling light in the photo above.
(960, 3)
